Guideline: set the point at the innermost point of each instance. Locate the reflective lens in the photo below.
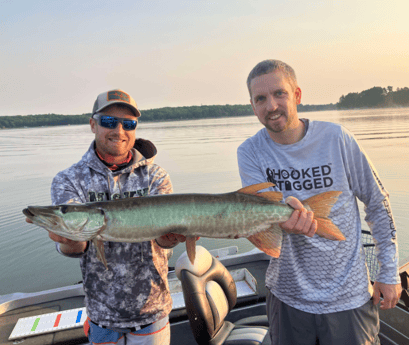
(111, 122)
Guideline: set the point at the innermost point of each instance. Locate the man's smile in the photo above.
(274, 116)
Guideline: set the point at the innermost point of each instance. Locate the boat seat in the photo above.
(210, 294)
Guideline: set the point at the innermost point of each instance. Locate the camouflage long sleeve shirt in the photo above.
(134, 290)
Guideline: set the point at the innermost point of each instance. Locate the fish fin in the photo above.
(191, 248)
(268, 241)
(321, 204)
(327, 229)
(99, 245)
(272, 196)
(254, 188)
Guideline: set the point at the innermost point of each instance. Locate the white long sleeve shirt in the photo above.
(317, 275)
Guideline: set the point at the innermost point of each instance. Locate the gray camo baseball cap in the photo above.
(117, 96)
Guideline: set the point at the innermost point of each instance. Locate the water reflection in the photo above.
(200, 156)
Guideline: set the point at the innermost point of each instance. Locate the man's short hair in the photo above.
(269, 66)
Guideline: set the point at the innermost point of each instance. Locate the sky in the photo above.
(57, 56)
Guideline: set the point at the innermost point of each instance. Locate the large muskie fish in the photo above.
(244, 213)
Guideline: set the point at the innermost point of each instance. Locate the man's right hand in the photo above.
(67, 246)
(301, 222)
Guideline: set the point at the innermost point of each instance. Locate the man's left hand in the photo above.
(391, 294)
(170, 240)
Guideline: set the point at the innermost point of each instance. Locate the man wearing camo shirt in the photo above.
(318, 289)
(130, 302)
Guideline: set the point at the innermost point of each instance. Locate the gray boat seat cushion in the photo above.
(258, 320)
(247, 336)
(203, 261)
(210, 293)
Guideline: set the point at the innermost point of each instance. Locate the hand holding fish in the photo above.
(301, 221)
(170, 240)
(68, 246)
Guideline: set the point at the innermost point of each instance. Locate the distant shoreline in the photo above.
(158, 115)
(374, 98)
(150, 115)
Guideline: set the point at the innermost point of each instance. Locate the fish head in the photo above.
(72, 221)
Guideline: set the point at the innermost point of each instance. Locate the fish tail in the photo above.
(321, 205)
(327, 229)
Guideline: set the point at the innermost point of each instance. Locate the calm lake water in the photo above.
(200, 156)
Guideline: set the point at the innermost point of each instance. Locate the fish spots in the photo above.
(221, 215)
(275, 217)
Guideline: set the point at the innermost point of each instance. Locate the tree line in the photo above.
(374, 97)
(150, 115)
(20, 121)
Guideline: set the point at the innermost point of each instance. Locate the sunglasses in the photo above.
(111, 122)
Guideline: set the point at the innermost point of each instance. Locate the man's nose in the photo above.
(119, 128)
(271, 104)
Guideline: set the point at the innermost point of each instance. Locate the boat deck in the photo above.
(394, 322)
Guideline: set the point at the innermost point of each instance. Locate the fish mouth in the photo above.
(28, 214)
(34, 211)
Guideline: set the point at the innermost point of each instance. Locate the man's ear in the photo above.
(93, 124)
(298, 93)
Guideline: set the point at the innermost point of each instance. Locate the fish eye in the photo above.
(64, 209)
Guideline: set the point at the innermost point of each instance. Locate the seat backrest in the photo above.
(209, 292)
